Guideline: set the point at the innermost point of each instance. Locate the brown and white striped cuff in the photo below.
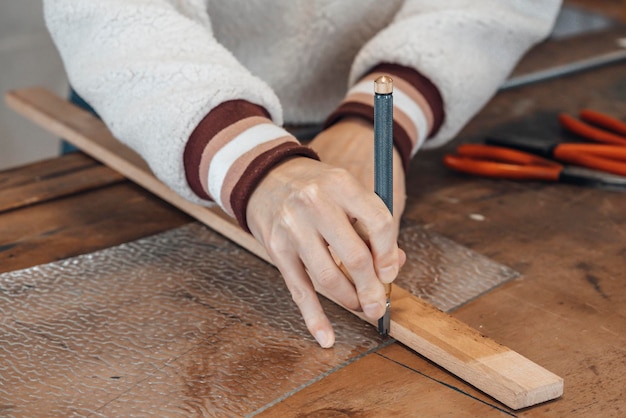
(417, 107)
(230, 152)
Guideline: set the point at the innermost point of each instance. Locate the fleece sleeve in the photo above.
(447, 59)
(154, 72)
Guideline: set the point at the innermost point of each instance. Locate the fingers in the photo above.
(300, 209)
(357, 261)
(377, 227)
(382, 235)
(401, 259)
(324, 270)
(305, 297)
(327, 213)
(329, 208)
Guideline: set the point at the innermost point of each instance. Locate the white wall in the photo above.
(27, 58)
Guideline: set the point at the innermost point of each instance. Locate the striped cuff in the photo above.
(230, 152)
(417, 107)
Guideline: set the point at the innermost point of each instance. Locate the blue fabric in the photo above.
(74, 98)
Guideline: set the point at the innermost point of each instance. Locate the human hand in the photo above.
(349, 144)
(304, 209)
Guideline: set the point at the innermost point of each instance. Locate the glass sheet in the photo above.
(186, 323)
(445, 273)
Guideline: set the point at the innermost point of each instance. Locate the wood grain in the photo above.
(26, 174)
(57, 186)
(498, 371)
(81, 223)
(399, 391)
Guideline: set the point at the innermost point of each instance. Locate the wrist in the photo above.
(350, 141)
(273, 188)
(418, 107)
(231, 150)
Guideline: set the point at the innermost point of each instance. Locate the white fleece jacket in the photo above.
(155, 69)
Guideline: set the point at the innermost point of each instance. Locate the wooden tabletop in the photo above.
(566, 311)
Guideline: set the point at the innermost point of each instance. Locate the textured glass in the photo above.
(445, 273)
(187, 323)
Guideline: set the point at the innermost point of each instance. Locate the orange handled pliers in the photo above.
(525, 158)
(500, 162)
(596, 126)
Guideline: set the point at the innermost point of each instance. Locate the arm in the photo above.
(164, 86)
(209, 129)
(447, 59)
(464, 48)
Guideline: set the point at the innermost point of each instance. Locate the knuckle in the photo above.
(276, 248)
(370, 295)
(340, 174)
(343, 178)
(299, 295)
(358, 259)
(310, 194)
(328, 277)
(380, 221)
(314, 193)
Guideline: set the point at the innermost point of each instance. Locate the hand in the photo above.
(349, 144)
(300, 209)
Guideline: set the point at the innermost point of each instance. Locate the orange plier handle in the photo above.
(607, 158)
(595, 126)
(500, 162)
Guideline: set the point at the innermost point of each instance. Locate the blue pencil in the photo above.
(383, 163)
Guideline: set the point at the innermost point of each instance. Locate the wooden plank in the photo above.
(399, 391)
(54, 187)
(44, 169)
(496, 370)
(570, 244)
(93, 137)
(82, 223)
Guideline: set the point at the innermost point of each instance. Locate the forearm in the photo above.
(233, 148)
(161, 82)
(466, 48)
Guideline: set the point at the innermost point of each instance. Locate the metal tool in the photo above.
(570, 68)
(501, 162)
(607, 155)
(518, 157)
(383, 163)
(603, 158)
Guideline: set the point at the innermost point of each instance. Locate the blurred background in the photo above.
(28, 58)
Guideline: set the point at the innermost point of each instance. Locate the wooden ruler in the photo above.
(493, 368)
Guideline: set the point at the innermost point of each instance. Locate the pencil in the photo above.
(383, 163)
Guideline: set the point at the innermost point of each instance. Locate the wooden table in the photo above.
(566, 312)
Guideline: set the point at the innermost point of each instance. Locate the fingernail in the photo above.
(372, 310)
(322, 339)
(388, 274)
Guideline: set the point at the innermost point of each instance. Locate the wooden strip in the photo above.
(93, 137)
(496, 370)
(44, 169)
(54, 187)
